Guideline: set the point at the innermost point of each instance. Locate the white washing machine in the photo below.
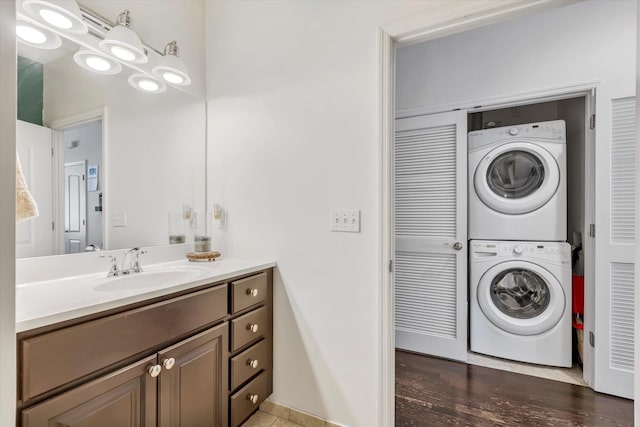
(517, 182)
(520, 296)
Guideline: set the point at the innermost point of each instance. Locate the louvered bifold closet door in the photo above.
(615, 248)
(430, 215)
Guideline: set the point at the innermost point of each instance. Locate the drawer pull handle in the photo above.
(253, 363)
(252, 292)
(154, 370)
(253, 398)
(168, 363)
(253, 327)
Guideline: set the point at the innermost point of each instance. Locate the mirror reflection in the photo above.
(106, 164)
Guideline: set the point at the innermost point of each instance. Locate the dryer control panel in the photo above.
(551, 131)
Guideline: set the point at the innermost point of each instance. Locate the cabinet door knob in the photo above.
(253, 327)
(253, 363)
(457, 246)
(252, 292)
(154, 370)
(168, 363)
(253, 398)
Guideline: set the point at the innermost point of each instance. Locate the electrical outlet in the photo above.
(345, 220)
(119, 220)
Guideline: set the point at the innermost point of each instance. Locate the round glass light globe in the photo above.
(30, 34)
(172, 77)
(97, 63)
(148, 85)
(123, 53)
(56, 19)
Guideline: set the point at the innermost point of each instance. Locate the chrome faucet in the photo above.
(114, 271)
(134, 263)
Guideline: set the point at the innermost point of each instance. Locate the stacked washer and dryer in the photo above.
(520, 264)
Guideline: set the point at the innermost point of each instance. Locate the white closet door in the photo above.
(430, 196)
(615, 248)
(33, 143)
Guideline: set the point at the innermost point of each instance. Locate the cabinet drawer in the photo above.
(59, 357)
(249, 362)
(249, 327)
(248, 292)
(242, 404)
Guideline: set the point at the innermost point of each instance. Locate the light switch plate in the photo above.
(345, 220)
(119, 220)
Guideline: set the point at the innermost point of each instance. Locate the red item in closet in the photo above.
(577, 298)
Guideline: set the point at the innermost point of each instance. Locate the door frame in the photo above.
(439, 23)
(59, 126)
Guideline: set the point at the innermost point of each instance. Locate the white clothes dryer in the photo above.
(517, 182)
(520, 296)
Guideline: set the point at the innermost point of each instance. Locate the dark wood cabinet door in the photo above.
(192, 388)
(125, 398)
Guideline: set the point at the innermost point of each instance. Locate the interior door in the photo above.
(430, 213)
(75, 207)
(615, 249)
(33, 143)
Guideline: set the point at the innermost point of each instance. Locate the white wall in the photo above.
(590, 41)
(7, 212)
(293, 120)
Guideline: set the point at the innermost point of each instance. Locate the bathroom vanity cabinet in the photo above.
(202, 357)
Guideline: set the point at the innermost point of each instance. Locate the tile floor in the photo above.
(263, 419)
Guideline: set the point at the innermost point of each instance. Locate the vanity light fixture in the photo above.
(146, 83)
(64, 15)
(123, 43)
(96, 62)
(35, 36)
(170, 68)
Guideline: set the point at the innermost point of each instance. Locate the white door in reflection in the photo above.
(33, 143)
(75, 207)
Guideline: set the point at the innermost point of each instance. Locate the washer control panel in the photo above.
(555, 251)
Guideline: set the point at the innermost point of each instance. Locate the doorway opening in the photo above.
(609, 100)
(80, 196)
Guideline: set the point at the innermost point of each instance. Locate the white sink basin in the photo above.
(149, 279)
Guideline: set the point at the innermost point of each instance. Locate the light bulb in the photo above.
(172, 77)
(56, 19)
(97, 63)
(30, 34)
(148, 85)
(123, 53)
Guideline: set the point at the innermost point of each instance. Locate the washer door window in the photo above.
(521, 298)
(517, 178)
(520, 293)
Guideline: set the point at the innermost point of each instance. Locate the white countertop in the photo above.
(47, 302)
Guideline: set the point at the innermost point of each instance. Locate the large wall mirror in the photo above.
(107, 164)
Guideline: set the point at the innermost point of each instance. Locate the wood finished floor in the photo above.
(436, 392)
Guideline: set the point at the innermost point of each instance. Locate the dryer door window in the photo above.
(517, 178)
(520, 293)
(522, 298)
(515, 174)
